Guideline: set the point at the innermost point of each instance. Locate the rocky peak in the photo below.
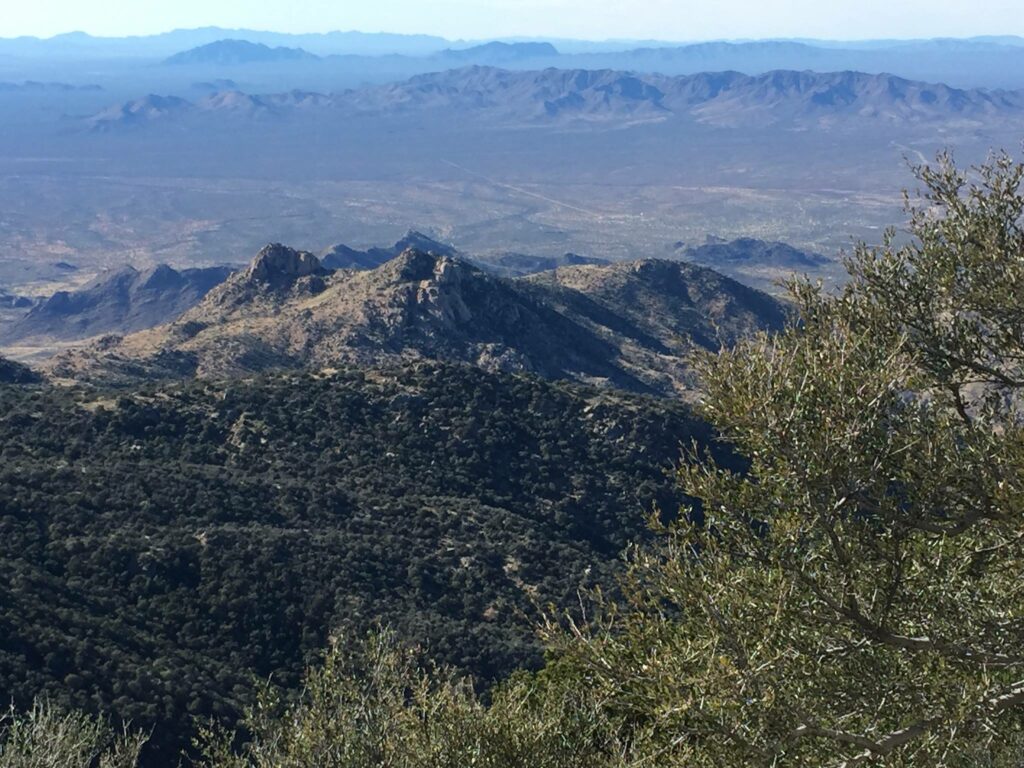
(416, 266)
(278, 265)
(159, 278)
(417, 241)
(413, 265)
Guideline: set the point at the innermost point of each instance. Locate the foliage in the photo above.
(855, 596)
(372, 704)
(45, 737)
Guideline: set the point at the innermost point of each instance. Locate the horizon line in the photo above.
(518, 38)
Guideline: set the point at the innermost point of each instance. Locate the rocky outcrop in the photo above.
(278, 265)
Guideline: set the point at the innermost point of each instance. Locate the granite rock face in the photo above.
(279, 265)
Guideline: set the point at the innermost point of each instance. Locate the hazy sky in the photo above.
(593, 19)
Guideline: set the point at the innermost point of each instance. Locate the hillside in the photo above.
(749, 252)
(624, 325)
(763, 264)
(659, 309)
(163, 545)
(512, 264)
(121, 301)
(141, 111)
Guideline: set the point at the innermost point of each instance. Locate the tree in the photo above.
(856, 595)
(44, 736)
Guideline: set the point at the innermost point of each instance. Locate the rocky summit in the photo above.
(278, 265)
(629, 325)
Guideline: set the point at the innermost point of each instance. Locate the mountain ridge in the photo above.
(122, 300)
(341, 256)
(238, 52)
(554, 95)
(434, 306)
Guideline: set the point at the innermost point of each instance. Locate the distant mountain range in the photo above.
(992, 61)
(499, 53)
(121, 301)
(512, 264)
(82, 45)
(34, 86)
(233, 52)
(629, 325)
(242, 52)
(723, 98)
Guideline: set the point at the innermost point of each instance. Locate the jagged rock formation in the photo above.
(624, 325)
(278, 266)
(122, 301)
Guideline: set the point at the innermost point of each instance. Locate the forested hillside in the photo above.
(163, 546)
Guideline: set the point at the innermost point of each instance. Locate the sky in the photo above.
(676, 20)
